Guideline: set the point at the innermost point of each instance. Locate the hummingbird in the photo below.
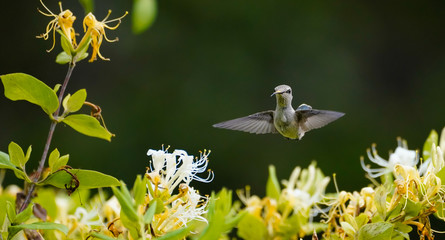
(289, 122)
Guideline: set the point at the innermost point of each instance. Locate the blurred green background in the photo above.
(202, 62)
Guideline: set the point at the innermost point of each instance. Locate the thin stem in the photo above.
(49, 138)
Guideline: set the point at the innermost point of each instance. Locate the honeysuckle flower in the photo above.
(168, 170)
(265, 209)
(96, 30)
(64, 21)
(401, 155)
(305, 189)
(88, 218)
(111, 209)
(189, 206)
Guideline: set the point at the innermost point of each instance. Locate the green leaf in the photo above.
(376, 231)
(75, 102)
(412, 209)
(380, 201)
(148, 216)
(10, 211)
(63, 58)
(348, 228)
(5, 163)
(175, 235)
(56, 88)
(126, 203)
(402, 230)
(87, 179)
(395, 212)
(251, 227)
(56, 162)
(53, 158)
(432, 138)
(81, 51)
(20, 86)
(273, 186)
(361, 219)
(28, 154)
(440, 210)
(24, 215)
(132, 226)
(144, 13)
(41, 226)
(63, 161)
(101, 236)
(87, 125)
(80, 56)
(66, 43)
(88, 5)
(139, 190)
(16, 155)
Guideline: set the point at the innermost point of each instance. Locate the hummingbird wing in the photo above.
(312, 118)
(259, 123)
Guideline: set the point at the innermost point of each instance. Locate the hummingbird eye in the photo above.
(288, 91)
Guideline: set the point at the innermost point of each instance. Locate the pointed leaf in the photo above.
(176, 234)
(101, 236)
(376, 231)
(81, 51)
(380, 201)
(24, 215)
(66, 43)
(28, 154)
(87, 179)
(412, 208)
(88, 5)
(10, 211)
(75, 102)
(139, 190)
(5, 163)
(432, 138)
(56, 88)
(159, 205)
(132, 226)
(16, 155)
(42, 226)
(148, 216)
(53, 158)
(273, 187)
(63, 58)
(62, 161)
(143, 15)
(87, 125)
(20, 86)
(126, 203)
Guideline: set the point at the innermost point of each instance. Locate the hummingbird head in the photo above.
(283, 94)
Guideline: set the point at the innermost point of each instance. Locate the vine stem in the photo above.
(52, 127)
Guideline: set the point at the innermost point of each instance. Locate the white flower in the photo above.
(168, 170)
(305, 189)
(401, 156)
(86, 218)
(190, 206)
(111, 208)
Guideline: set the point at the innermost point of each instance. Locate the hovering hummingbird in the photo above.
(290, 123)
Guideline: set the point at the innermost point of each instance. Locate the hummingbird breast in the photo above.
(285, 122)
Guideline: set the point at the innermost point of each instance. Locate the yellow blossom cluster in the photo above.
(94, 31)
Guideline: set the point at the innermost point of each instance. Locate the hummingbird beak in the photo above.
(276, 92)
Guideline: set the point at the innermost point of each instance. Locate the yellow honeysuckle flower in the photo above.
(96, 30)
(64, 21)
